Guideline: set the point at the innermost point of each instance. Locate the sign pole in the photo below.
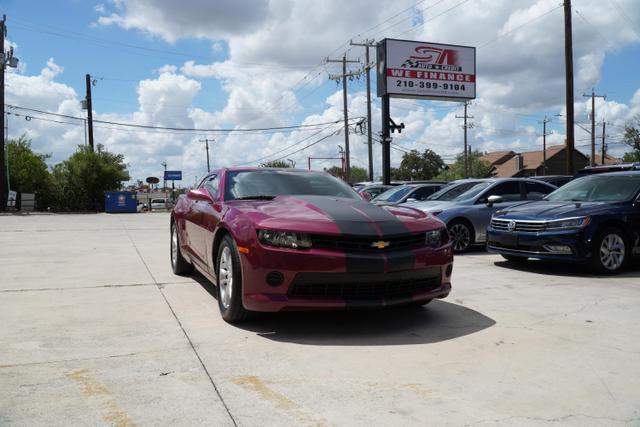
(386, 140)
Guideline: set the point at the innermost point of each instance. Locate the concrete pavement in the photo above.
(96, 330)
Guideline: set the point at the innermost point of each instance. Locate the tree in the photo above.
(632, 139)
(276, 164)
(478, 168)
(82, 179)
(416, 166)
(28, 171)
(357, 174)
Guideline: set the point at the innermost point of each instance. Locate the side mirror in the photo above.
(492, 200)
(366, 196)
(200, 194)
(411, 199)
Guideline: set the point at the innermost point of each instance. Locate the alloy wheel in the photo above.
(612, 252)
(225, 281)
(461, 237)
(174, 246)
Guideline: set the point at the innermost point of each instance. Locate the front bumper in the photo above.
(536, 245)
(325, 279)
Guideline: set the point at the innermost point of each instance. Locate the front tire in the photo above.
(229, 282)
(610, 251)
(462, 236)
(179, 264)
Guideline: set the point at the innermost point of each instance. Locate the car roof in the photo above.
(618, 173)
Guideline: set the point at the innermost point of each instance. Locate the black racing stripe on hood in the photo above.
(389, 224)
(348, 220)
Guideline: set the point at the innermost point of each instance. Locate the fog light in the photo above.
(559, 249)
(275, 278)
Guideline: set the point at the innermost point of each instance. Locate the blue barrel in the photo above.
(120, 202)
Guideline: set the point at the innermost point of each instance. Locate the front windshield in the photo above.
(393, 195)
(473, 191)
(598, 188)
(453, 191)
(265, 183)
(450, 192)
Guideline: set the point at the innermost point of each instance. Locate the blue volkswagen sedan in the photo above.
(594, 219)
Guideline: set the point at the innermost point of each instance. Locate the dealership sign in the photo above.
(410, 69)
(173, 175)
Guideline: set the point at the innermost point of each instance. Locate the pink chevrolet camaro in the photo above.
(288, 239)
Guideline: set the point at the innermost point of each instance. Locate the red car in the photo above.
(283, 239)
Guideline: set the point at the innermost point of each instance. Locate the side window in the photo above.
(536, 191)
(423, 192)
(510, 191)
(211, 184)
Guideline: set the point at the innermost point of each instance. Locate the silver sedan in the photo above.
(467, 205)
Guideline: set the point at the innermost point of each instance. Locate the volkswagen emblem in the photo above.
(511, 226)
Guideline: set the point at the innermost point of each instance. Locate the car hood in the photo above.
(553, 210)
(431, 205)
(332, 215)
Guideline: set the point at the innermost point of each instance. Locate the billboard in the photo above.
(173, 175)
(422, 70)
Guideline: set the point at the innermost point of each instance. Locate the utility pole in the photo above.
(344, 77)
(89, 110)
(164, 181)
(206, 142)
(593, 97)
(544, 144)
(604, 147)
(367, 44)
(7, 60)
(465, 126)
(568, 70)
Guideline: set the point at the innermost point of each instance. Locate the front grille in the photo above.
(518, 247)
(527, 226)
(364, 286)
(364, 244)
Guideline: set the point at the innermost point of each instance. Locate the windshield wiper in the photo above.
(256, 197)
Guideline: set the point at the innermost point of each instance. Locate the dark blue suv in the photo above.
(594, 219)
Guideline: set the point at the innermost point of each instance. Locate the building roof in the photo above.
(531, 160)
(497, 157)
(608, 160)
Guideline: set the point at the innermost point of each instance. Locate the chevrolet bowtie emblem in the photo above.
(380, 245)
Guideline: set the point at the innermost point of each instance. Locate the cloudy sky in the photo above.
(244, 64)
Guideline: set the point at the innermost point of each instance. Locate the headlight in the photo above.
(568, 223)
(436, 238)
(285, 239)
(436, 213)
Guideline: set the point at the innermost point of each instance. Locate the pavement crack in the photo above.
(79, 359)
(186, 335)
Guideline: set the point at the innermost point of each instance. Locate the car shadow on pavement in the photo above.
(436, 322)
(565, 269)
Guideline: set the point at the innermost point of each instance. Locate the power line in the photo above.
(286, 148)
(177, 128)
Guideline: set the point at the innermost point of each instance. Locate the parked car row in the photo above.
(281, 239)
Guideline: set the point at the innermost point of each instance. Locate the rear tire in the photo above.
(610, 251)
(515, 258)
(179, 264)
(229, 282)
(462, 236)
